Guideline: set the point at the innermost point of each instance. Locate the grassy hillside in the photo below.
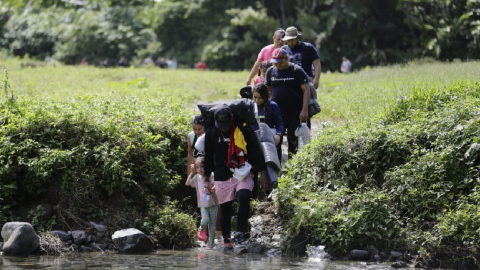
(367, 93)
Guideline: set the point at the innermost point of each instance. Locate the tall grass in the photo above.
(64, 82)
(355, 96)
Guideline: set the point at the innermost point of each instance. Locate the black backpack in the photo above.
(241, 110)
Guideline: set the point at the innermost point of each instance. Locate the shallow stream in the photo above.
(185, 259)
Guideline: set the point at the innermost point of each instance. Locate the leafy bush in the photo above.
(462, 223)
(169, 226)
(75, 153)
(410, 178)
(370, 33)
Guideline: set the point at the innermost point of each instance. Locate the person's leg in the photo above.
(202, 235)
(212, 217)
(218, 220)
(226, 220)
(225, 192)
(244, 196)
(286, 121)
(244, 191)
(204, 220)
(279, 146)
(292, 122)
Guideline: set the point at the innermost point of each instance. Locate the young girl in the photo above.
(261, 72)
(198, 127)
(267, 111)
(207, 202)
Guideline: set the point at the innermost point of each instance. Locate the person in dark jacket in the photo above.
(218, 159)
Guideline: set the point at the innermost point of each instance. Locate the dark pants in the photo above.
(291, 120)
(243, 212)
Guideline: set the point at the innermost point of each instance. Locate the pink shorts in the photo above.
(226, 190)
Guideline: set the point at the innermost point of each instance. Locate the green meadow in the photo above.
(395, 165)
(343, 97)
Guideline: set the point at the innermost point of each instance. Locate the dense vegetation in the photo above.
(117, 160)
(408, 179)
(395, 166)
(229, 34)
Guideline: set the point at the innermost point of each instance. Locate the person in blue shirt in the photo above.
(291, 91)
(267, 111)
(303, 54)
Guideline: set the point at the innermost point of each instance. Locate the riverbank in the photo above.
(406, 180)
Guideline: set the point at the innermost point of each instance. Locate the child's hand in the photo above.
(192, 169)
(208, 189)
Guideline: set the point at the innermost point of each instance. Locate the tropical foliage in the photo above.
(229, 34)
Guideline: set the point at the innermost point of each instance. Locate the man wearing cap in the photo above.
(266, 53)
(288, 83)
(227, 187)
(303, 54)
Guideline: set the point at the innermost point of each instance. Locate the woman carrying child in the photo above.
(207, 201)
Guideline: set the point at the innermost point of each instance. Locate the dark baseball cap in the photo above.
(223, 117)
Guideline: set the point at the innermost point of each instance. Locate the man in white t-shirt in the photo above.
(266, 53)
(346, 65)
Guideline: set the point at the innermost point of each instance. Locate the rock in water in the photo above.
(64, 236)
(359, 255)
(20, 239)
(132, 241)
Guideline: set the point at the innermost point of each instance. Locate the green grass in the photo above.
(64, 82)
(364, 94)
(353, 97)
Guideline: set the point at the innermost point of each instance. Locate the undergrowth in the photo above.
(76, 154)
(408, 180)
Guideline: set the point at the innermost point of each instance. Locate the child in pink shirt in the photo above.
(206, 200)
(261, 72)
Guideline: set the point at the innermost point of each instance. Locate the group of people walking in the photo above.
(280, 98)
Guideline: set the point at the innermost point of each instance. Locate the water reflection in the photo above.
(190, 259)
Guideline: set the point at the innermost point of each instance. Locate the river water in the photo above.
(184, 259)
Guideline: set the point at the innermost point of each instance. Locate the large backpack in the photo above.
(241, 110)
(243, 117)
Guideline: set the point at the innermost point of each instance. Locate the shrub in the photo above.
(410, 178)
(52, 149)
(169, 226)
